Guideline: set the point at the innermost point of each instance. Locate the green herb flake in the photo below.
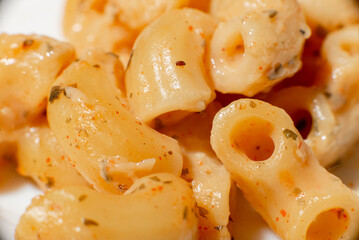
(55, 93)
(302, 31)
(90, 222)
(275, 74)
(272, 13)
(202, 212)
(252, 104)
(167, 182)
(68, 120)
(50, 182)
(185, 171)
(142, 186)
(297, 191)
(155, 178)
(82, 197)
(123, 187)
(219, 227)
(129, 60)
(290, 134)
(185, 213)
(27, 43)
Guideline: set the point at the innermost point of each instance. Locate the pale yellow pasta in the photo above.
(279, 175)
(28, 66)
(210, 180)
(111, 25)
(258, 44)
(314, 118)
(40, 157)
(167, 65)
(341, 52)
(157, 207)
(330, 14)
(104, 141)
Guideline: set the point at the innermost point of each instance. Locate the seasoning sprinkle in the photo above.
(27, 43)
(55, 93)
(170, 152)
(302, 31)
(202, 212)
(272, 13)
(275, 73)
(167, 182)
(123, 187)
(82, 197)
(180, 63)
(50, 181)
(155, 178)
(219, 227)
(185, 213)
(185, 171)
(142, 186)
(252, 104)
(290, 134)
(90, 222)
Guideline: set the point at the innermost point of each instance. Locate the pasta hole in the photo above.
(235, 47)
(252, 137)
(351, 48)
(330, 224)
(303, 121)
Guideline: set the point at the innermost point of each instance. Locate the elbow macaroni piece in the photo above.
(28, 67)
(167, 65)
(255, 46)
(40, 157)
(105, 142)
(341, 52)
(210, 180)
(279, 176)
(330, 14)
(312, 115)
(157, 207)
(111, 25)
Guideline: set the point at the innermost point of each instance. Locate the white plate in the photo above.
(45, 17)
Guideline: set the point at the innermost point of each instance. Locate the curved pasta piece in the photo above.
(341, 52)
(167, 65)
(312, 115)
(40, 157)
(330, 14)
(157, 207)
(279, 175)
(105, 142)
(111, 25)
(210, 180)
(29, 65)
(256, 47)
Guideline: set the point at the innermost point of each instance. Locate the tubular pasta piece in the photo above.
(210, 180)
(279, 175)
(257, 47)
(111, 25)
(330, 14)
(109, 146)
(29, 65)
(167, 65)
(40, 157)
(157, 207)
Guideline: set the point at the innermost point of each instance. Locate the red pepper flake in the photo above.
(154, 189)
(283, 212)
(170, 152)
(117, 112)
(277, 219)
(180, 63)
(260, 68)
(160, 188)
(48, 160)
(190, 28)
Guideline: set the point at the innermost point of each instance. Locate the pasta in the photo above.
(145, 212)
(40, 157)
(255, 47)
(143, 130)
(106, 144)
(279, 175)
(210, 180)
(154, 85)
